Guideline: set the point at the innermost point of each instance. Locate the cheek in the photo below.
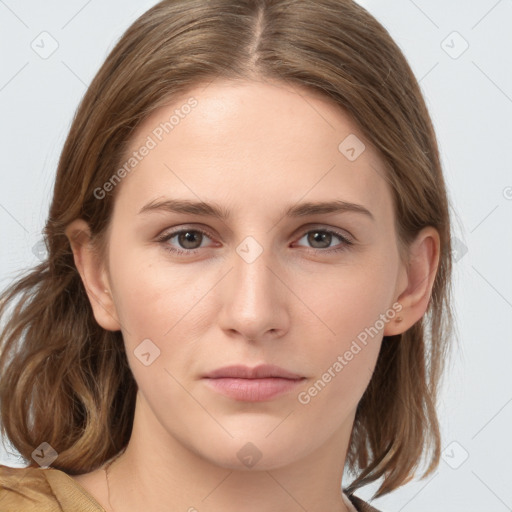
(354, 306)
(150, 296)
(353, 298)
(342, 364)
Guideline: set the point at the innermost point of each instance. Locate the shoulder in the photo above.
(25, 489)
(360, 505)
(35, 489)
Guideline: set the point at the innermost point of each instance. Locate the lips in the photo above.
(257, 384)
(259, 372)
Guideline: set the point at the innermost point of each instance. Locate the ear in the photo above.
(94, 276)
(418, 275)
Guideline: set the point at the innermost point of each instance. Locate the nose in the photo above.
(254, 298)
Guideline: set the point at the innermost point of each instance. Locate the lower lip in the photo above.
(253, 390)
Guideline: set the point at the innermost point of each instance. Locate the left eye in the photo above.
(324, 237)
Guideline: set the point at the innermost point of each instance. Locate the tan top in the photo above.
(51, 490)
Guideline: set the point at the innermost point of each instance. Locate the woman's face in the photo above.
(276, 279)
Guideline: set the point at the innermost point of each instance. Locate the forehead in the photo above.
(234, 141)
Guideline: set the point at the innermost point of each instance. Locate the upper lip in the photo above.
(258, 372)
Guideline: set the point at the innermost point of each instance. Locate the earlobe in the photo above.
(92, 272)
(420, 275)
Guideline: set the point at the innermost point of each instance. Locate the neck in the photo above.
(152, 474)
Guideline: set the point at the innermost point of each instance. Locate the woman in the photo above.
(247, 286)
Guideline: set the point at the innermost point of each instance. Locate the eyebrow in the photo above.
(215, 210)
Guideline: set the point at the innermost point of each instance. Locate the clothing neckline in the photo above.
(57, 476)
(69, 481)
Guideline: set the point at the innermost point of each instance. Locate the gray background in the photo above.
(469, 94)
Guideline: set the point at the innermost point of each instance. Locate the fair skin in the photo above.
(254, 148)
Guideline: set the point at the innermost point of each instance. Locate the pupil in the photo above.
(318, 236)
(187, 238)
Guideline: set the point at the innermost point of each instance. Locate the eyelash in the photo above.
(164, 238)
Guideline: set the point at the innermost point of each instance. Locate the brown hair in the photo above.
(66, 381)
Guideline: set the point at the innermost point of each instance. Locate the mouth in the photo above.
(257, 384)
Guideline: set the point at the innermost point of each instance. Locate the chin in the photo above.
(261, 454)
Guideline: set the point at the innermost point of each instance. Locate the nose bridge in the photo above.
(252, 277)
(252, 304)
